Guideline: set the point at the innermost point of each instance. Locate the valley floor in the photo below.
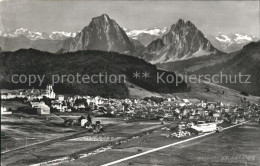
(126, 138)
(233, 147)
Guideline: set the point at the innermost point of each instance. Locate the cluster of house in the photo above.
(191, 109)
(70, 104)
(29, 94)
(58, 102)
(75, 103)
(168, 109)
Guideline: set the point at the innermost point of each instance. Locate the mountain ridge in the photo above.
(182, 41)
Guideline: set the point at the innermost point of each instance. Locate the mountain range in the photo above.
(54, 41)
(182, 47)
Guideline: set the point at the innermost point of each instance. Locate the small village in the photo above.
(184, 111)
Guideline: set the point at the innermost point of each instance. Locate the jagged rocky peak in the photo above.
(187, 35)
(181, 25)
(102, 20)
(183, 41)
(103, 34)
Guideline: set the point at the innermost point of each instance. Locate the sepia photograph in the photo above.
(130, 82)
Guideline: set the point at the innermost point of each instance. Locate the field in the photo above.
(122, 139)
(21, 130)
(236, 146)
(68, 146)
(14, 105)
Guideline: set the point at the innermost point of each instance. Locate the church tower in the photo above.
(49, 92)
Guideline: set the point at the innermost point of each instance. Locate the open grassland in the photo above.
(22, 130)
(115, 128)
(14, 105)
(232, 147)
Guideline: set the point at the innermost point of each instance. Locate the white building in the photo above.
(4, 96)
(60, 97)
(83, 122)
(4, 111)
(41, 107)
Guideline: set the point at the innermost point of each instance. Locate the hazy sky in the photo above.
(72, 15)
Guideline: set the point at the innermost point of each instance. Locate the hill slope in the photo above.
(35, 62)
(199, 91)
(245, 62)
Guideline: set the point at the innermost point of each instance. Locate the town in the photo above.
(40, 116)
(45, 102)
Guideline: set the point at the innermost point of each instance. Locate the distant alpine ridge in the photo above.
(146, 36)
(56, 35)
(231, 42)
(25, 38)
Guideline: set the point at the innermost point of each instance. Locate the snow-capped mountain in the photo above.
(32, 35)
(103, 34)
(25, 32)
(152, 31)
(146, 36)
(231, 42)
(182, 41)
(25, 38)
(61, 35)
